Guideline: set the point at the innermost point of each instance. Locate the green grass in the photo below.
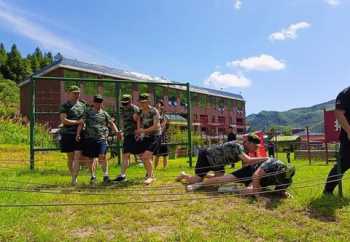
(306, 217)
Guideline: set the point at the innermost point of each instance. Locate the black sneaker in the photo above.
(93, 180)
(106, 180)
(120, 178)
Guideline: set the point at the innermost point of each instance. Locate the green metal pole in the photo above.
(189, 124)
(32, 124)
(339, 172)
(117, 99)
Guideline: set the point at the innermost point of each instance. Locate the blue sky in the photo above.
(279, 54)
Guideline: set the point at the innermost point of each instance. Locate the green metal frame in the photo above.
(33, 112)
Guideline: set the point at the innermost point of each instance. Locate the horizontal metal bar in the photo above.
(66, 79)
(110, 146)
(46, 149)
(47, 113)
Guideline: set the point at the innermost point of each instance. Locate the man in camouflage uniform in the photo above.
(71, 114)
(129, 115)
(256, 177)
(95, 136)
(216, 157)
(149, 131)
(163, 149)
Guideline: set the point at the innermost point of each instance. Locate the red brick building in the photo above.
(213, 111)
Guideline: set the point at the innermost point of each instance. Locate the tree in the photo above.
(9, 98)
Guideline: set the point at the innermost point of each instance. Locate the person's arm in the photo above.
(69, 122)
(340, 116)
(255, 185)
(247, 160)
(163, 123)
(80, 127)
(155, 126)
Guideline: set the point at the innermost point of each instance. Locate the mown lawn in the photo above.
(202, 216)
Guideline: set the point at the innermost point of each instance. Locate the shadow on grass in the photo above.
(324, 207)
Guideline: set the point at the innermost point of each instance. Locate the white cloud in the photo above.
(28, 25)
(259, 63)
(290, 32)
(333, 3)
(219, 80)
(238, 4)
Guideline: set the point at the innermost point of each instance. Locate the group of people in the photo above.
(257, 173)
(85, 129)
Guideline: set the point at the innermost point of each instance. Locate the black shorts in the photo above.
(203, 167)
(246, 173)
(131, 145)
(92, 148)
(68, 143)
(150, 143)
(162, 151)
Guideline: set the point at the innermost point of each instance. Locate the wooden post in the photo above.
(327, 154)
(308, 144)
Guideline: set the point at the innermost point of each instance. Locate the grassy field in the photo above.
(202, 216)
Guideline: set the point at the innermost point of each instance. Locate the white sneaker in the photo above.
(74, 181)
(149, 180)
(193, 187)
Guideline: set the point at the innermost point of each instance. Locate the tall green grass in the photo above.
(13, 132)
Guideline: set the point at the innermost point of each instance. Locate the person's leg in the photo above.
(104, 164)
(165, 161)
(147, 160)
(214, 181)
(156, 161)
(125, 164)
(334, 177)
(75, 166)
(70, 158)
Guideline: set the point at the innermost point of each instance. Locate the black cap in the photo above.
(143, 97)
(126, 98)
(253, 138)
(98, 98)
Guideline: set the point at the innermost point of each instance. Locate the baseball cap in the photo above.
(73, 88)
(98, 98)
(143, 97)
(125, 98)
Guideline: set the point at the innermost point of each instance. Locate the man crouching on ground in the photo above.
(216, 157)
(256, 177)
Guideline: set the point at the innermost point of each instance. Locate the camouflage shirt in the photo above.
(129, 125)
(283, 173)
(73, 112)
(96, 124)
(224, 154)
(148, 119)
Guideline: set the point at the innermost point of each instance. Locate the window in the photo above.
(143, 88)
(194, 99)
(158, 93)
(109, 89)
(203, 118)
(202, 101)
(126, 88)
(72, 74)
(172, 97)
(90, 88)
(220, 104)
(222, 119)
(212, 101)
(239, 121)
(240, 105)
(229, 105)
(183, 98)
